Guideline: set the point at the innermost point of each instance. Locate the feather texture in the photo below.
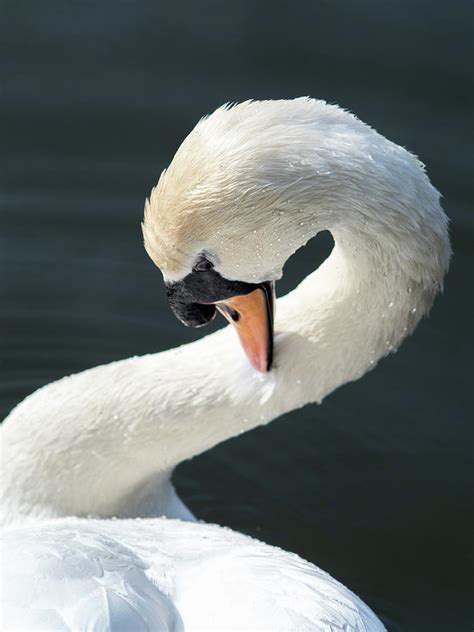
(165, 576)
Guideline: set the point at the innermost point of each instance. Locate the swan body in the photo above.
(166, 575)
(247, 187)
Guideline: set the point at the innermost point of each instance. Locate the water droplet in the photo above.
(254, 232)
(301, 223)
(413, 311)
(390, 304)
(298, 381)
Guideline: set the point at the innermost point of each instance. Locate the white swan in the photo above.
(248, 186)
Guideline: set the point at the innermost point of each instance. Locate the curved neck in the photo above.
(105, 441)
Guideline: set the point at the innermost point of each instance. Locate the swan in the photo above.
(95, 535)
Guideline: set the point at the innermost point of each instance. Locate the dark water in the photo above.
(374, 485)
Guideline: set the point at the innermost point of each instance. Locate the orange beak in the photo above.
(252, 316)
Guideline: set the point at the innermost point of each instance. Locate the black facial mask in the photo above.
(190, 297)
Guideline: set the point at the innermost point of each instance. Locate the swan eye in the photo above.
(202, 264)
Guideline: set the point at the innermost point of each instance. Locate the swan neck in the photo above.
(116, 432)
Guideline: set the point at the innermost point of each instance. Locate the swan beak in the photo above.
(252, 316)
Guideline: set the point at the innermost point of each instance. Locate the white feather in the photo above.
(165, 576)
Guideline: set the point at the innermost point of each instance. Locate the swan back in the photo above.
(167, 575)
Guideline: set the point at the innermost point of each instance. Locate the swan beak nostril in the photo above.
(252, 316)
(228, 312)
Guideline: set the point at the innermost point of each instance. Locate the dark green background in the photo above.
(374, 485)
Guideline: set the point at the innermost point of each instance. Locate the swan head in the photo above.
(218, 222)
